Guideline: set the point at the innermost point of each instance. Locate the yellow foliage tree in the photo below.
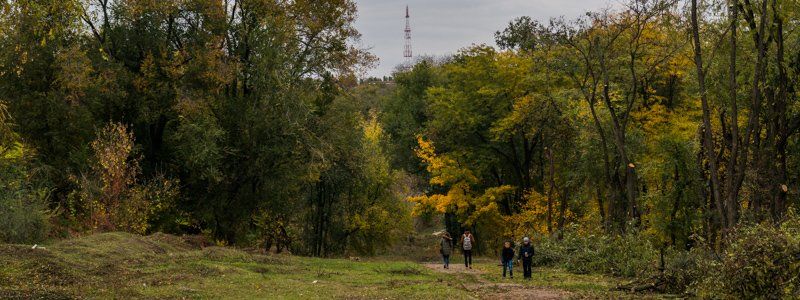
(470, 205)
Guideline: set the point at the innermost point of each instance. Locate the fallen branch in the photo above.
(654, 283)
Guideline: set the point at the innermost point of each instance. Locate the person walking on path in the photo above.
(526, 255)
(446, 248)
(508, 259)
(467, 240)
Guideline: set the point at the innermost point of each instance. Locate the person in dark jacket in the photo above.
(526, 255)
(467, 240)
(508, 259)
(446, 248)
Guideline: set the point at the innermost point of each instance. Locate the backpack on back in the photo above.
(467, 242)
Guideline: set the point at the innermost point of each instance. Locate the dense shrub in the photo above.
(760, 261)
(112, 196)
(756, 261)
(23, 219)
(685, 269)
(626, 255)
(23, 208)
(549, 252)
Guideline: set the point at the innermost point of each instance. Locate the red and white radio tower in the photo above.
(407, 50)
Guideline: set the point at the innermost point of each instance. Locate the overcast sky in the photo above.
(441, 27)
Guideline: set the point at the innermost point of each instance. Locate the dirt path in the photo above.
(474, 281)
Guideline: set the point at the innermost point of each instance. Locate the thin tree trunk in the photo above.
(602, 209)
(551, 190)
(562, 219)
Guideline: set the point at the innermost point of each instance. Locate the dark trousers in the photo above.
(467, 258)
(510, 266)
(526, 267)
(446, 260)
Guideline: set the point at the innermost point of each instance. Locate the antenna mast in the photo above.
(407, 50)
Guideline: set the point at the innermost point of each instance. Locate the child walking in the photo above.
(508, 259)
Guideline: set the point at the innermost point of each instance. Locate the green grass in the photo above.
(552, 277)
(119, 265)
(577, 285)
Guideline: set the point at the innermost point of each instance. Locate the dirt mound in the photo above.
(40, 265)
(101, 260)
(119, 244)
(35, 273)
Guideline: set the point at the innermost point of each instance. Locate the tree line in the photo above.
(245, 121)
(674, 118)
(230, 118)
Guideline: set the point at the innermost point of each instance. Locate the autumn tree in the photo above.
(615, 61)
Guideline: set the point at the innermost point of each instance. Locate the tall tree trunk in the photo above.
(628, 188)
(733, 168)
(752, 131)
(607, 219)
(709, 224)
(778, 184)
(708, 137)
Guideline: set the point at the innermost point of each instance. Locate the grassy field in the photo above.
(119, 265)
